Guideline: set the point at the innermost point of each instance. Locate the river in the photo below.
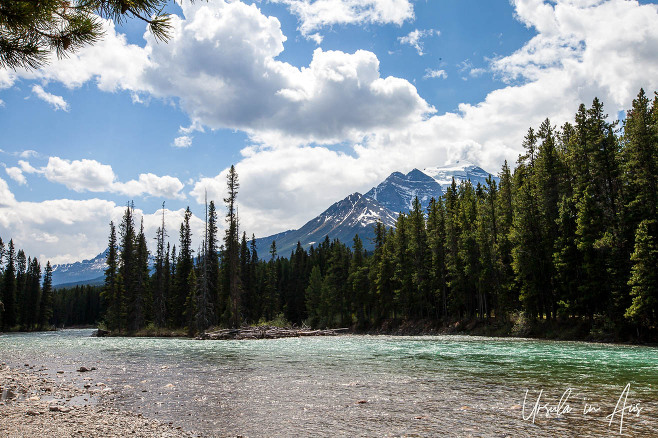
(362, 385)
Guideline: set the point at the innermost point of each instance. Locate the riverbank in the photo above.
(517, 326)
(33, 404)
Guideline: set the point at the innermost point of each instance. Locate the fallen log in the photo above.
(267, 332)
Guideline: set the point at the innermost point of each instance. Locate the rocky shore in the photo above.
(32, 404)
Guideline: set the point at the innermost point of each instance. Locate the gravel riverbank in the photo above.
(33, 404)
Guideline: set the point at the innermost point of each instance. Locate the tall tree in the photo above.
(159, 293)
(184, 267)
(9, 289)
(46, 303)
(111, 290)
(232, 246)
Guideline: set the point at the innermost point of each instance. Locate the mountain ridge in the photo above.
(354, 214)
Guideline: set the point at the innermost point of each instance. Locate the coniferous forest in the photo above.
(569, 235)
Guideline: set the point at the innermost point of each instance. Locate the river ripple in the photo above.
(359, 385)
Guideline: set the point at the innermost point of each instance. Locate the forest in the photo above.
(570, 235)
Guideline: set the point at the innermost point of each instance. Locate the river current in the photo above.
(363, 385)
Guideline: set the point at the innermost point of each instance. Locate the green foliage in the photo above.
(31, 30)
(569, 237)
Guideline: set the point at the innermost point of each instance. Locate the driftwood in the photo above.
(268, 332)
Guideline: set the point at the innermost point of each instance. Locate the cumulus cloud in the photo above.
(221, 67)
(317, 14)
(415, 38)
(275, 195)
(16, 174)
(184, 141)
(57, 102)
(434, 74)
(64, 230)
(93, 176)
(221, 64)
(152, 185)
(573, 58)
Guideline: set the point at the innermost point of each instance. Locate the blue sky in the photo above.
(311, 99)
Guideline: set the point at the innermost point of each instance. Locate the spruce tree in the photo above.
(159, 293)
(644, 276)
(232, 246)
(111, 290)
(9, 289)
(184, 267)
(46, 303)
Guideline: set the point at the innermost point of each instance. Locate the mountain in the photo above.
(397, 192)
(85, 272)
(80, 272)
(461, 170)
(356, 214)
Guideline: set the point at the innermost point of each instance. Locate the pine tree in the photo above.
(46, 303)
(232, 247)
(314, 294)
(111, 290)
(138, 312)
(30, 31)
(358, 281)
(159, 294)
(436, 233)
(644, 276)
(422, 299)
(184, 267)
(9, 289)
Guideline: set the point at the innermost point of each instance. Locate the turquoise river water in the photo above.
(363, 385)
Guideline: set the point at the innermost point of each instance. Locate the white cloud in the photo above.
(64, 230)
(316, 38)
(283, 188)
(16, 174)
(90, 175)
(152, 185)
(574, 58)
(184, 141)
(7, 198)
(317, 14)
(27, 167)
(221, 65)
(28, 153)
(80, 175)
(435, 74)
(415, 38)
(111, 62)
(57, 102)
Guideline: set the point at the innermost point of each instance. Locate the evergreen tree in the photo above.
(232, 247)
(358, 281)
(111, 290)
(9, 289)
(184, 267)
(159, 294)
(46, 303)
(644, 276)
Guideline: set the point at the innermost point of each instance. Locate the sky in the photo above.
(311, 100)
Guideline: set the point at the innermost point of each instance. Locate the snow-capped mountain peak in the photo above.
(461, 170)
